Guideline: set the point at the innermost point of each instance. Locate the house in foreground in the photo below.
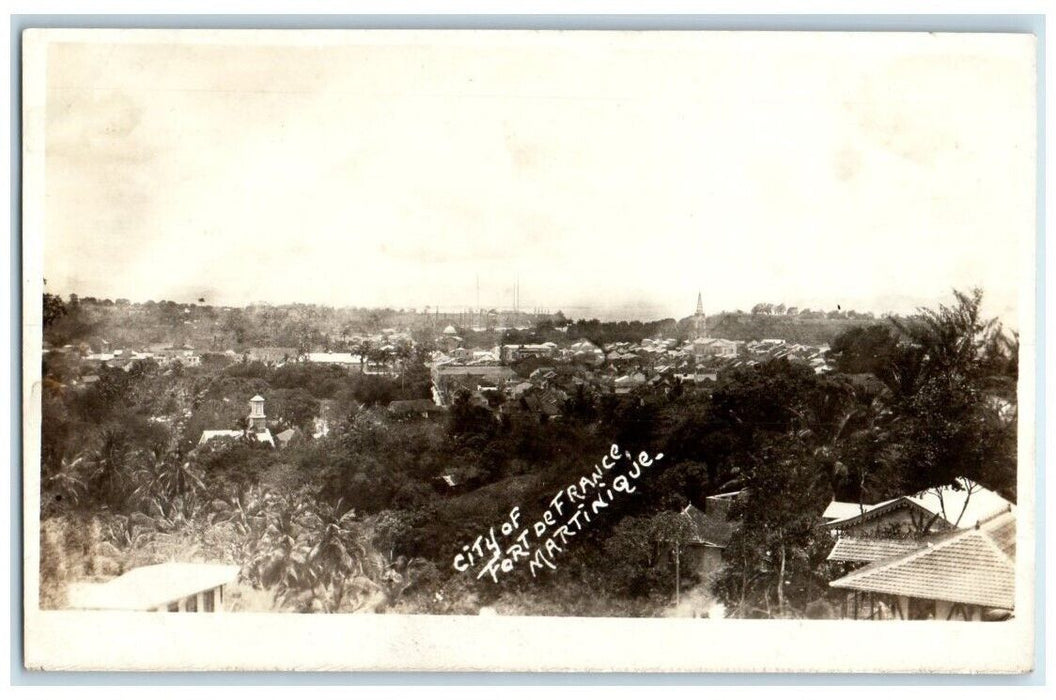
(169, 587)
(956, 575)
(945, 553)
(709, 534)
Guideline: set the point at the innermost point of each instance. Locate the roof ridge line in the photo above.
(956, 536)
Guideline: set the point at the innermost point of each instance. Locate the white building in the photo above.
(170, 587)
(341, 359)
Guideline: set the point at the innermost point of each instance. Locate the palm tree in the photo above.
(66, 485)
(274, 559)
(841, 420)
(315, 556)
(108, 476)
(179, 478)
(166, 478)
(340, 561)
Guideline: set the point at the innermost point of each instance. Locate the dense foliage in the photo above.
(361, 517)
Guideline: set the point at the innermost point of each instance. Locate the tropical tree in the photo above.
(948, 407)
(644, 553)
(315, 556)
(775, 549)
(175, 477)
(340, 567)
(108, 468)
(954, 338)
(954, 424)
(65, 487)
(363, 349)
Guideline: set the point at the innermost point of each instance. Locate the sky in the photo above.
(612, 175)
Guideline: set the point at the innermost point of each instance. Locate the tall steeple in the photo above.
(700, 327)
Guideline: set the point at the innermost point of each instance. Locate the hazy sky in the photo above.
(613, 174)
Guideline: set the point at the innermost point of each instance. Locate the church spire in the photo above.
(700, 327)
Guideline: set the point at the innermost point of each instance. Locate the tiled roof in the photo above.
(496, 370)
(969, 566)
(869, 550)
(1003, 532)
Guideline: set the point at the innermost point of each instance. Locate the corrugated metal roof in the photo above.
(969, 566)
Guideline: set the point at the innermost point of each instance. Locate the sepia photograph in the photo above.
(672, 342)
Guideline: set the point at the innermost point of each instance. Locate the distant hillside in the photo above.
(796, 329)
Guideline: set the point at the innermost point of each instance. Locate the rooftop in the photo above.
(149, 587)
(968, 566)
(337, 358)
(208, 435)
(854, 549)
(964, 506)
(841, 510)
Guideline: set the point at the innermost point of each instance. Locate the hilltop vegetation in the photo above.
(305, 327)
(795, 329)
